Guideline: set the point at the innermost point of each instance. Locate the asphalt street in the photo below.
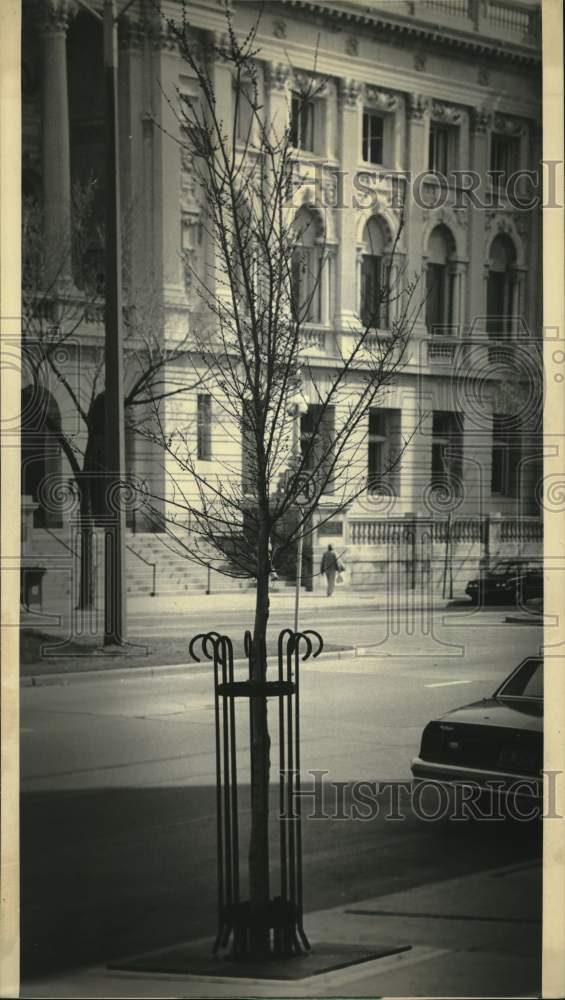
(118, 817)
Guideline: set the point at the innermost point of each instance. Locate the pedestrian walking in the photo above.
(330, 565)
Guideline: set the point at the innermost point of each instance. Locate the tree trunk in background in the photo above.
(86, 582)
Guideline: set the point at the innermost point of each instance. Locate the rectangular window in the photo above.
(441, 149)
(447, 451)
(377, 449)
(373, 133)
(302, 116)
(504, 158)
(505, 457)
(317, 429)
(436, 298)
(204, 427)
(383, 449)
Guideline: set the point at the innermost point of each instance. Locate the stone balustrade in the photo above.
(495, 18)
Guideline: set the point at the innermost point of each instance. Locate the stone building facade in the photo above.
(426, 111)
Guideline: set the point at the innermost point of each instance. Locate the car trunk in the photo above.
(486, 747)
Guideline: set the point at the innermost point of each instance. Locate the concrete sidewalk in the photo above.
(477, 936)
(281, 600)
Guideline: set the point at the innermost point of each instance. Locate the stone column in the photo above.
(417, 138)
(518, 303)
(277, 85)
(534, 303)
(54, 21)
(166, 170)
(135, 204)
(222, 82)
(476, 284)
(459, 297)
(349, 156)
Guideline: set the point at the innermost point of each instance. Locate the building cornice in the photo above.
(410, 25)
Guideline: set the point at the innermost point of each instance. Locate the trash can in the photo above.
(31, 587)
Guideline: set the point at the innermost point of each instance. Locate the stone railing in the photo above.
(313, 338)
(495, 528)
(498, 19)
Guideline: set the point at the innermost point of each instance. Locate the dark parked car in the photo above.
(497, 739)
(510, 581)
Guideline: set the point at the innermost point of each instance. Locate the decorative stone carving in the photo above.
(131, 34)
(508, 125)
(450, 114)
(481, 120)
(501, 222)
(417, 105)
(311, 84)
(165, 38)
(279, 29)
(483, 76)
(277, 76)
(350, 92)
(55, 15)
(382, 100)
(352, 45)
(420, 62)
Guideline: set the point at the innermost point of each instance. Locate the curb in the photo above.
(524, 620)
(155, 670)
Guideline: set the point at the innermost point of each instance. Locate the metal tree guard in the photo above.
(282, 915)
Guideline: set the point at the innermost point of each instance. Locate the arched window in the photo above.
(441, 278)
(501, 283)
(41, 452)
(374, 293)
(308, 267)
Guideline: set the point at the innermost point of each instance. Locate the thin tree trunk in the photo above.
(86, 582)
(260, 757)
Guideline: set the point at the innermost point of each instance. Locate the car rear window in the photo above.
(525, 682)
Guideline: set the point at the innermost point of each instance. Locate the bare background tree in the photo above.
(256, 292)
(57, 311)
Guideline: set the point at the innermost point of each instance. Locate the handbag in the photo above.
(339, 578)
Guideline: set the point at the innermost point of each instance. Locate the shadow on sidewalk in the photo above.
(112, 872)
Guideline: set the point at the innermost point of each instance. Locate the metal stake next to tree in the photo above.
(295, 410)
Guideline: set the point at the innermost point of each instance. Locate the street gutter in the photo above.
(156, 670)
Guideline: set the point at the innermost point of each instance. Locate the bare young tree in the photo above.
(257, 295)
(57, 311)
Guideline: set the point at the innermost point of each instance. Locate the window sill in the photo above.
(307, 155)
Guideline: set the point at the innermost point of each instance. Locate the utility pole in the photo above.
(114, 434)
(115, 617)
